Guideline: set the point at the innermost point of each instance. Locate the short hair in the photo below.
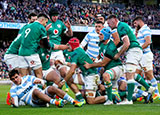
(43, 15)
(138, 18)
(13, 72)
(112, 16)
(53, 11)
(100, 15)
(99, 22)
(32, 14)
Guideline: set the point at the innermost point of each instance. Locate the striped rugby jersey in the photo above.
(142, 33)
(92, 40)
(23, 90)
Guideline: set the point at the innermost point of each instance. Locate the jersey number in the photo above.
(27, 31)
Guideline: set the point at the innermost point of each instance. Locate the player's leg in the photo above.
(112, 74)
(130, 72)
(39, 97)
(35, 63)
(51, 90)
(153, 81)
(91, 85)
(108, 84)
(148, 69)
(52, 76)
(134, 56)
(12, 61)
(23, 65)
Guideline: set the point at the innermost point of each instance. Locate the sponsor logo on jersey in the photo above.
(58, 25)
(56, 31)
(69, 57)
(47, 56)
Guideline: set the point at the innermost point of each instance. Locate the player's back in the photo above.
(79, 56)
(32, 34)
(124, 29)
(143, 32)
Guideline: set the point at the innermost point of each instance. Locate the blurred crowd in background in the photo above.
(78, 13)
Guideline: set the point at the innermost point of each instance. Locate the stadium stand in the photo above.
(78, 12)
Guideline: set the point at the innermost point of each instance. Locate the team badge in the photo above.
(58, 25)
(10, 66)
(32, 62)
(55, 31)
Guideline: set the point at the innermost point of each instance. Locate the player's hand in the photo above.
(12, 101)
(86, 65)
(93, 59)
(67, 24)
(60, 85)
(116, 57)
(48, 26)
(37, 81)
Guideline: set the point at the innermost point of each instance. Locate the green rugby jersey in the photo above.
(67, 55)
(14, 47)
(109, 50)
(32, 35)
(79, 56)
(55, 31)
(124, 29)
(45, 55)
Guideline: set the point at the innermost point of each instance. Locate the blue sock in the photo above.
(52, 101)
(68, 98)
(154, 84)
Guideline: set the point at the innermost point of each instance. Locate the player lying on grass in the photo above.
(26, 88)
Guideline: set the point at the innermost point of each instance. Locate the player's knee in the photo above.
(52, 89)
(90, 95)
(130, 68)
(106, 77)
(36, 92)
(90, 101)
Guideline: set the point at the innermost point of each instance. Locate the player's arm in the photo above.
(102, 63)
(69, 32)
(60, 47)
(39, 81)
(14, 97)
(125, 46)
(70, 72)
(85, 41)
(69, 75)
(147, 42)
(116, 37)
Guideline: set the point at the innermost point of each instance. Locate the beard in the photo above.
(138, 27)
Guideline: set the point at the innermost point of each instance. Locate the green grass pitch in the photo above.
(136, 109)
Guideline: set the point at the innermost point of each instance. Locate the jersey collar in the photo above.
(117, 24)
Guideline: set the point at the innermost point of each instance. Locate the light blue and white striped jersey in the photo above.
(112, 31)
(142, 33)
(23, 91)
(92, 40)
